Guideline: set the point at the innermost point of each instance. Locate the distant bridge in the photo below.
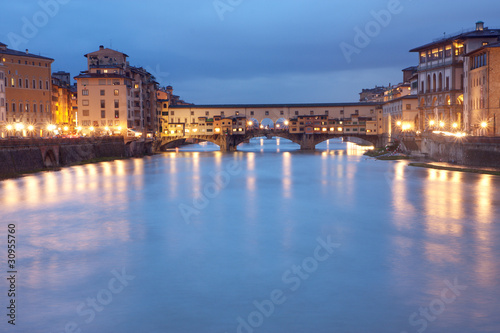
(229, 142)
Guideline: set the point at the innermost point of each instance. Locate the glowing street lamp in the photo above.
(250, 123)
(120, 128)
(398, 123)
(65, 128)
(91, 128)
(484, 124)
(31, 128)
(455, 125)
(441, 124)
(286, 122)
(432, 123)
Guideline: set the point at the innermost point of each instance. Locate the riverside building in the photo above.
(442, 86)
(114, 97)
(28, 92)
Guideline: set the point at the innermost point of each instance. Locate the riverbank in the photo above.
(54, 169)
(495, 172)
(24, 157)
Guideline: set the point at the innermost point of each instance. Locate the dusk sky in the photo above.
(245, 51)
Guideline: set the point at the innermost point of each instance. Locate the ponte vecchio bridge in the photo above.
(304, 124)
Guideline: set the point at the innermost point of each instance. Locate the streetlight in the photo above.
(441, 124)
(455, 125)
(484, 124)
(398, 123)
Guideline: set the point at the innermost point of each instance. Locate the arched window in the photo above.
(440, 88)
(428, 83)
(434, 82)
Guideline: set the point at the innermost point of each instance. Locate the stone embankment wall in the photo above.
(471, 151)
(24, 155)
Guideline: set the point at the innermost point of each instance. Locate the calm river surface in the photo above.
(267, 239)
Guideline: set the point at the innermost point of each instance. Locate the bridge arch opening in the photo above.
(266, 123)
(282, 124)
(253, 123)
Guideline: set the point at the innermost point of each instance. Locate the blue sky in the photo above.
(245, 51)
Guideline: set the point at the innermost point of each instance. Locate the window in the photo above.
(40, 84)
(102, 82)
(447, 52)
(34, 108)
(117, 114)
(12, 82)
(46, 85)
(103, 92)
(13, 107)
(34, 84)
(116, 92)
(85, 92)
(103, 123)
(296, 113)
(172, 113)
(85, 102)
(221, 113)
(206, 113)
(117, 103)
(311, 113)
(20, 83)
(103, 113)
(27, 84)
(408, 106)
(282, 113)
(27, 107)
(252, 113)
(85, 113)
(20, 107)
(192, 113)
(267, 113)
(237, 113)
(326, 112)
(103, 103)
(110, 122)
(41, 108)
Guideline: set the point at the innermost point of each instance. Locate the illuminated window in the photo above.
(116, 92)
(117, 114)
(85, 92)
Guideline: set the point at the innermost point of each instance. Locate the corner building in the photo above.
(28, 91)
(114, 96)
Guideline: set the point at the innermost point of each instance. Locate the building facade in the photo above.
(2, 101)
(482, 74)
(441, 83)
(63, 100)
(28, 92)
(401, 115)
(114, 97)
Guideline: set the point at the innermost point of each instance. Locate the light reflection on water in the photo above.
(403, 232)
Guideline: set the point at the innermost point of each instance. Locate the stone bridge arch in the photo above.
(50, 156)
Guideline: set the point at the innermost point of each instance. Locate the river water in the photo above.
(267, 239)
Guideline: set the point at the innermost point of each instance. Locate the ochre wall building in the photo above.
(28, 91)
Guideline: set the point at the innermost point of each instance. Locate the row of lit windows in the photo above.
(102, 123)
(102, 92)
(26, 108)
(26, 84)
(438, 53)
(26, 62)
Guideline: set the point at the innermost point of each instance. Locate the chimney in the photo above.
(27, 51)
(101, 47)
(479, 26)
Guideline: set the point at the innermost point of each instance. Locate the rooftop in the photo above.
(250, 106)
(479, 32)
(5, 50)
